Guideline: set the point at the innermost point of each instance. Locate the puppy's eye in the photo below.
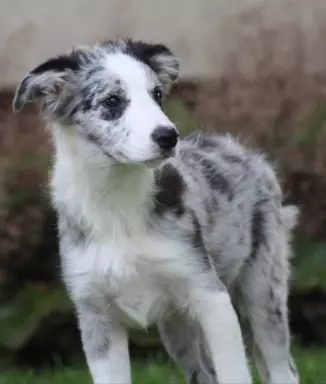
(158, 95)
(112, 101)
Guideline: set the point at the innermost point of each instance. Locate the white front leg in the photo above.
(105, 345)
(222, 332)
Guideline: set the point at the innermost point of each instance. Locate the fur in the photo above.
(185, 238)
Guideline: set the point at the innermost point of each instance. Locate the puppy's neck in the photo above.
(110, 197)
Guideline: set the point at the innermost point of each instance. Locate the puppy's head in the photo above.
(109, 96)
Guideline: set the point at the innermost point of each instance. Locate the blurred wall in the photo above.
(200, 32)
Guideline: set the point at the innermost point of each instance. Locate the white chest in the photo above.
(141, 301)
(135, 277)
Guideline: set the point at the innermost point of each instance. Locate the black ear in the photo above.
(45, 80)
(159, 58)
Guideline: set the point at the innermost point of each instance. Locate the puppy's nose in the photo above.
(165, 137)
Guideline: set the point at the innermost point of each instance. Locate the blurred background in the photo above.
(255, 68)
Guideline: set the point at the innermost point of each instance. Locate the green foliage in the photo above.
(180, 116)
(21, 315)
(315, 126)
(309, 265)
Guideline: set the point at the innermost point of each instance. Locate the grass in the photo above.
(311, 365)
(151, 373)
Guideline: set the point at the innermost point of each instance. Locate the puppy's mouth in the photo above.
(158, 160)
(154, 163)
(151, 162)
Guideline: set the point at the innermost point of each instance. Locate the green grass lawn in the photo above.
(311, 364)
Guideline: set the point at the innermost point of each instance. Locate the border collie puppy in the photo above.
(184, 233)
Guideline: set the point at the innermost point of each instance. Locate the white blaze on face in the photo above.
(142, 115)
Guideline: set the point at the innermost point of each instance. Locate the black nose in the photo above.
(165, 137)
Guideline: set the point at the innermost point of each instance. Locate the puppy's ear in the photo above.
(159, 58)
(45, 82)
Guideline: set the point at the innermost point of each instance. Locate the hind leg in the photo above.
(263, 295)
(185, 344)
